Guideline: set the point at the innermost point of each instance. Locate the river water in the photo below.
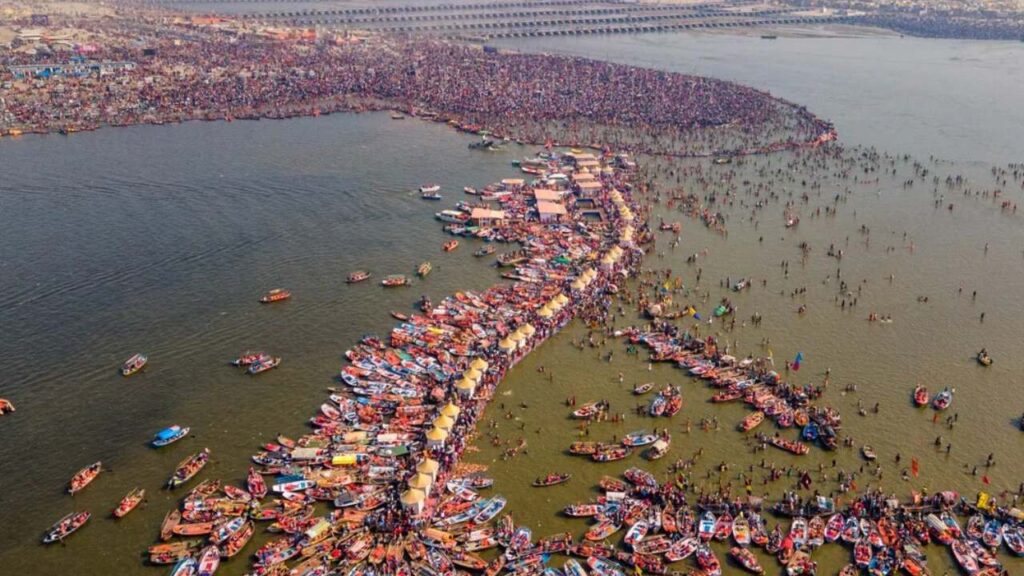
(160, 239)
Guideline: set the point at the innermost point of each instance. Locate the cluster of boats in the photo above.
(384, 448)
(660, 528)
(256, 362)
(752, 382)
(941, 401)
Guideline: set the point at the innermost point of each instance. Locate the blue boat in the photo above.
(170, 435)
(810, 433)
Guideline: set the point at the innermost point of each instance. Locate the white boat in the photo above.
(430, 188)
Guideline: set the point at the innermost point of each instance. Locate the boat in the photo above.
(275, 295)
(751, 421)
(188, 468)
(357, 276)
(129, 502)
(469, 190)
(65, 527)
(6, 406)
(611, 454)
(395, 280)
(450, 245)
(490, 510)
(169, 435)
(551, 480)
(746, 559)
(134, 364)
(741, 530)
(834, 528)
(862, 553)
(255, 484)
(171, 520)
(800, 564)
(248, 357)
(485, 250)
(798, 531)
(265, 364)
(868, 452)
(639, 438)
(641, 389)
(706, 527)
(965, 556)
(1013, 537)
(983, 358)
(423, 269)
(430, 195)
(84, 477)
(658, 449)
(636, 533)
(209, 560)
(682, 549)
(920, 396)
(572, 568)
(238, 541)
(791, 446)
(397, 116)
(602, 567)
(992, 536)
(943, 399)
(769, 37)
(430, 188)
(708, 562)
(602, 530)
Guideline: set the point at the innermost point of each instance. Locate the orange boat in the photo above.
(129, 502)
(193, 529)
(171, 520)
(451, 245)
(275, 295)
(84, 477)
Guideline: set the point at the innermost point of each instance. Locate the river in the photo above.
(161, 239)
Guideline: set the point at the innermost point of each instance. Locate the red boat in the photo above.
(275, 295)
(84, 477)
(920, 396)
(450, 245)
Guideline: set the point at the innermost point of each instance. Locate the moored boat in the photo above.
(746, 559)
(485, 250)
(188, 468)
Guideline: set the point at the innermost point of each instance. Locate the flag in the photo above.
(985, 480)
(914, 467)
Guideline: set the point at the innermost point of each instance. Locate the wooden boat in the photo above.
(681, 549)
(834, 527)
(187, 566)
(943, 400)
(357, 276)
(741, 530)
(639, 438)
(170, 435)
(193, 528)
(248, 358)
(84, 477)
(275, 295)
(920, 396)
(611, 455)
(430, 188)
(551, 480)
(746, 559)
(485, 250)
(708, 562)
(658, 449)
(254, 482)
(6, 406)
(965, 557)
(264, 365)
(129, 502)
(469, 190)
(588, 410)
(1013, 537)
(791, 446)
(641, 389)
(450, 245)
(602, 530)
(171, 519)
(706, 527)
(134, 364)
(423, 269)
(862, 553)
(752, 421)
(188, 468)
(602, 567)
(868, 452)
(65, 527)
(209, 560)
(636, 533)
(394, 280)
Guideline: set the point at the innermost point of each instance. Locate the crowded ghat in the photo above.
(379, 485)
(156, 68)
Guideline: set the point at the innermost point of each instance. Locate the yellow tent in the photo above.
(479, 364)
(451, 410)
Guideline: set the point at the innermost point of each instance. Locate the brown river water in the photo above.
(160, 239)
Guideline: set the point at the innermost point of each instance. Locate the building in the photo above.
(551, 211)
